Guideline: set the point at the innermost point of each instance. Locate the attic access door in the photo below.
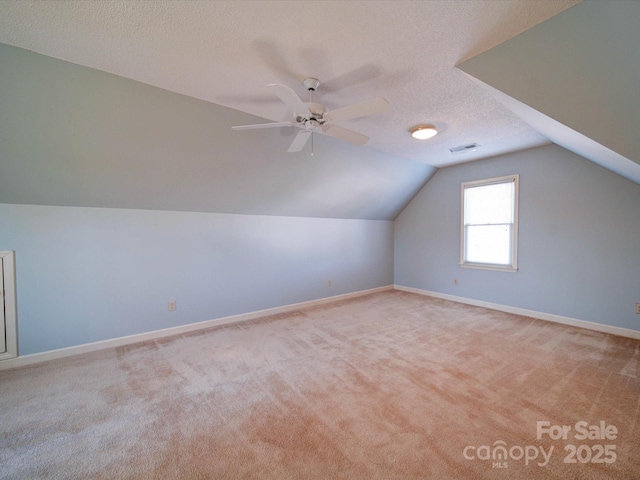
(8, 326)
(3, 320)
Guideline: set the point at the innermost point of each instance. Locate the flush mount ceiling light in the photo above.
(423, 132)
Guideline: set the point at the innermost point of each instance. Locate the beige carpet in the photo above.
(390, 385)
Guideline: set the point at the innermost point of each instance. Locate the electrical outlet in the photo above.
(638, 308)
(329, 283)
(455, 281)
(172, 306)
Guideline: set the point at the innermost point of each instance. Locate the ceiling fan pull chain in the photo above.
(312, 144)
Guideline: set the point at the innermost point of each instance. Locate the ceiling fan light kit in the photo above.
(423, 132)
(312, 117)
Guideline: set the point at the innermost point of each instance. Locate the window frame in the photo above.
(513, 267)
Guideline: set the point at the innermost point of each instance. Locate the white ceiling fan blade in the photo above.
(263, 125)
(364, 109)
(344, 134)
(290, 99)
(300, 141)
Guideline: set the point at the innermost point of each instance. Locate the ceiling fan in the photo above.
(312, 117)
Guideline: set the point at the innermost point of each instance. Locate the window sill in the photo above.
(486, 266)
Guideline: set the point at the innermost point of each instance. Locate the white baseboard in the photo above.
(599, 327)
(31, 359)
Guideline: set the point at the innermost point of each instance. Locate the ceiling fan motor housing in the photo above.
(317, 110)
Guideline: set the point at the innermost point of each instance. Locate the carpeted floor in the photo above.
(390, 385)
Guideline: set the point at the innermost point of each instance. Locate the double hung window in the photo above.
(489, 235)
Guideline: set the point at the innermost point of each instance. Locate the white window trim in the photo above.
(514, 247)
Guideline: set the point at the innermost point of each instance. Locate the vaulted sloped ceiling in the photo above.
(576, 79)
(129, 103)
(75, 136)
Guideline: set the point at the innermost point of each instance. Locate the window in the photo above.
(490, 224)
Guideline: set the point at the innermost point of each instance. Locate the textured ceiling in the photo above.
(227, 52)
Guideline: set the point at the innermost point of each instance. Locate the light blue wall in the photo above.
(90, 274)
(579, 248)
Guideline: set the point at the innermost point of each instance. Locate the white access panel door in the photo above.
(8, 317)
(3, 320)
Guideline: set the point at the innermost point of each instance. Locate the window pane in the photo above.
(489, 204)
(488, 244)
